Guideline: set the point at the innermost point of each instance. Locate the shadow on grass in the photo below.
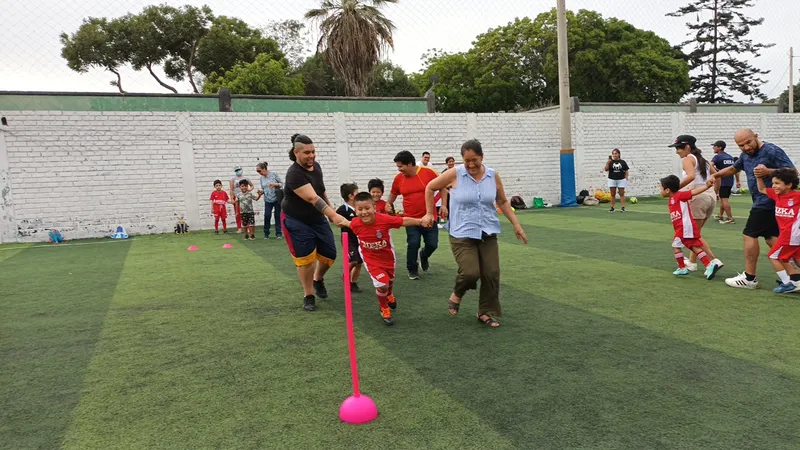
(49, 325)
(554, 376)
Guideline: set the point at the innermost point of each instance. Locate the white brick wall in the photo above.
(86, 172)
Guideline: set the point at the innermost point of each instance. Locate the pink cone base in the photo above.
(227, 246)
(358, 409)
(193, 248)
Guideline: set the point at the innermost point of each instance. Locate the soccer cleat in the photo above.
(691, 267)
(713, 268)
(308, 303)
(610, 209)
(354, 288)
(727, 222)
(413, 275)
(386, 314)
(681, 272)
(623, 209)
(784, 288)
(741, 281)
(392, 300)
(319, 289)
(216, 232)
(424, 263)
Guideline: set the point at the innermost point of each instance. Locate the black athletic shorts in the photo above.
(761, 223)
(725, 191)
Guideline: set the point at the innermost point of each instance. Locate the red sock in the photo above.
(225, 224)
(216, 223)
(382, 299)
(703, 258)
(679, 258)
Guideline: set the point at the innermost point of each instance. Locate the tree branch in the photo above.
(150, 69)
(189, 65)
(118, 83)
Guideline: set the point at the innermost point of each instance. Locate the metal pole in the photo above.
(567, 157)
(791, 80)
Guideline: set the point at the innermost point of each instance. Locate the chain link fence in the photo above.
(30, 56)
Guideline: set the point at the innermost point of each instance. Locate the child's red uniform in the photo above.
(220, 199)
(687, 233)
(376, 247)
(380, 206)
(787, 207)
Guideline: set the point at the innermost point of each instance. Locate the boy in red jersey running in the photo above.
(219, 207)
(687, 233)
(375, 188)
(377, 250)
(787, 207)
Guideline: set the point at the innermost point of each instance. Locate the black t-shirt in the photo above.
(617, 169)
(348, 213)
(294, 206)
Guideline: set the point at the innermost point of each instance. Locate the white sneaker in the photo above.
(691, 267)
(740, 281)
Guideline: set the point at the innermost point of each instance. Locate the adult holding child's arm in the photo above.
(758, 160)
(305, 209)
(474, 189)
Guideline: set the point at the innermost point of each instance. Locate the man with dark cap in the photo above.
(723, 160)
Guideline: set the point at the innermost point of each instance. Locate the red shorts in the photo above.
(381, 276)
(686, 242)
(221, 212)
(784, 253)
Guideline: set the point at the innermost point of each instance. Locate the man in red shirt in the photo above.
(377, 250)
(411, 183)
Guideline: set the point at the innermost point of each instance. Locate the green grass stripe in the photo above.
(211, 349)
(7, 252)
(557, 376)
(53, 307)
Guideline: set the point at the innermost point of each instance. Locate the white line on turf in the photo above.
(66, 244)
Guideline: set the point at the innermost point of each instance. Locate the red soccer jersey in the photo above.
(787, 207)
(413, 191)
(380, 206)
(220, 199)
(375, 240)
(681, 214)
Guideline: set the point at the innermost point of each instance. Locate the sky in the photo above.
(30, 49)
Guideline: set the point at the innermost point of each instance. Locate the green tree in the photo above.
(389, 80)
(97, 43)
(264, 76)
(783, 100)
(353, 34)
(319, 78)
(718, 44)
(184, 28)
(146, 37)
(229, 41)
(292, 37)
(515, 66)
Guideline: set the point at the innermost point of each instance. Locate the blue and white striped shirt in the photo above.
(472, 210)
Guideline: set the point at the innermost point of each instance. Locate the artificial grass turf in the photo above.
(600, 347)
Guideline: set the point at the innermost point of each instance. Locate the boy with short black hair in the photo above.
(687, 233)
(245, 199)
(375, 188)
(347, 210)
(787, 214)
(375, 245)
(219, 207)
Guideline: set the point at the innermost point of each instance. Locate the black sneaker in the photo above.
(623, 209)
(611, 210)
(216, 232)
(319, 288)
(413, 275)
(424, 263)
(388, 321)
(308, 303)
(224, 231)
(354, 288)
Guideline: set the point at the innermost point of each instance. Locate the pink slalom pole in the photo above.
(357, 408)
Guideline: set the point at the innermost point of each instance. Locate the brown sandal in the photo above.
(453, 307)
(489, 322)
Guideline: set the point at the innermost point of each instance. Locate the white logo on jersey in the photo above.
(675, 215)
(375, 245)
(784, 212)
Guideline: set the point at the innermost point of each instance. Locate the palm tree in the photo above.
(353, 34)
